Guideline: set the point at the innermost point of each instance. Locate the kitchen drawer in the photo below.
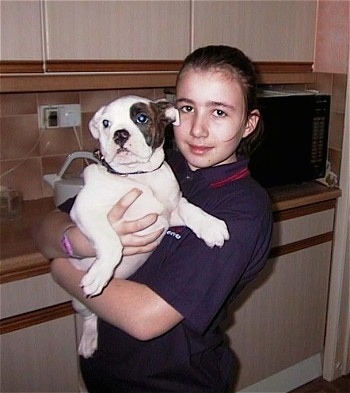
(30, 294)
(296, 229)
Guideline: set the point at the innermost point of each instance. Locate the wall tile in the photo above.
(91, 101)
(59, 141)
(19, 136)
(17, 104)
(25, 176)
(336, 127)
(159, 94)
(324, 83)
(53, 98)
(147, 93)
(89, 142)
(334, 156)
(339, 92)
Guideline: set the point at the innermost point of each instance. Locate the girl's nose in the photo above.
(199, 127)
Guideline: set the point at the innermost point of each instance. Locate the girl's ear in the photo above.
(251, 122)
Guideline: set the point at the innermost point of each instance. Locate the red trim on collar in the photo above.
(238, 175)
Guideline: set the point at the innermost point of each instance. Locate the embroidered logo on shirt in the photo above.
(175, 232)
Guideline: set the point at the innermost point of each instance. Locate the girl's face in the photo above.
(212, 114)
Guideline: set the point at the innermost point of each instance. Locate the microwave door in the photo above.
(283, 156)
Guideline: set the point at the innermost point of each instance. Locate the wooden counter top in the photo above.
(18, 256)
(20, 259)
(289, 197)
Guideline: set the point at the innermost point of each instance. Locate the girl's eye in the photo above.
(106, 123)
(142, 118)
(219, 113)
(186, 109)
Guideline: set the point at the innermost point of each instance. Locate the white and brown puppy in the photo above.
(130, 131)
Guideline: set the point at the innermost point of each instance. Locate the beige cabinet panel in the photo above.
(20, 30)
(304, 227)
(35, 293)
(265, 30)
(280, 319)
(41, 358)
(118, 29)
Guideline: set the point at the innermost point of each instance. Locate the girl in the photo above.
(159, 331)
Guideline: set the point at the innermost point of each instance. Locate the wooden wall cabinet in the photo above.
(21, 30)
(52, 31)
(116, 30)
(264, 30)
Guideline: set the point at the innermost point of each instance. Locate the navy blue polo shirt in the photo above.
(198, 282)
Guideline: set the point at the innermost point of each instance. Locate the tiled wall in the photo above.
(26, 153)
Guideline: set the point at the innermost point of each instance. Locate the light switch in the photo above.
(51, 117)
(59, 116)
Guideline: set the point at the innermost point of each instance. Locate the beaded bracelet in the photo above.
(66, 244)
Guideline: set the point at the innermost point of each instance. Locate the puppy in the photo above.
(130, 131)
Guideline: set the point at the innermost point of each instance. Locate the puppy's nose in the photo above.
(120, 137)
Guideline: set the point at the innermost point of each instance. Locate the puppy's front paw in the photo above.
(213, 232)
(96, 279)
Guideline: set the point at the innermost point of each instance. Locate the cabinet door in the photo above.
(279, 321)
(41, 358)
(20, 30)
(116, 30)
(265, 30)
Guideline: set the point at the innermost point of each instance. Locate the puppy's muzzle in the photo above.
(121, 137)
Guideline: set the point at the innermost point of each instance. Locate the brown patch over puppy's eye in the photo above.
(142, 117)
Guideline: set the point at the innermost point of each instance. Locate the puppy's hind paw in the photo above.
(88, 341)
(87, 348)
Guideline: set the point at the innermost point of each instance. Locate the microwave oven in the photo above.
(294, 144)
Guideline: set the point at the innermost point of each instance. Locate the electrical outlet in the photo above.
(59, 116)
(69, 115)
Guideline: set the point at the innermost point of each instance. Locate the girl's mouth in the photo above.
(196, 149)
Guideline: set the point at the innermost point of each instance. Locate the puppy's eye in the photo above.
(106, 123)
(142, 118)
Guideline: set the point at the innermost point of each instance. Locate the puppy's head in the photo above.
(130, 128)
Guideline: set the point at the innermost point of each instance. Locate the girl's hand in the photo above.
(132, 243)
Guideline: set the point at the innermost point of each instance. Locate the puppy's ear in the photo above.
(173, 114)
(169, 113)
(95, 122)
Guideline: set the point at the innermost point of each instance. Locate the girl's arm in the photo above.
(128, 305)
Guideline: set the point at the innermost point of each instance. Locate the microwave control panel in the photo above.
(319, 140)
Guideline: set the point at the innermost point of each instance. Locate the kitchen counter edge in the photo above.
(18, 263)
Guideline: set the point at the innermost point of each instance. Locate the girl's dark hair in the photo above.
(237, 65)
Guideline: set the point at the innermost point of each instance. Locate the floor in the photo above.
(341, 385)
